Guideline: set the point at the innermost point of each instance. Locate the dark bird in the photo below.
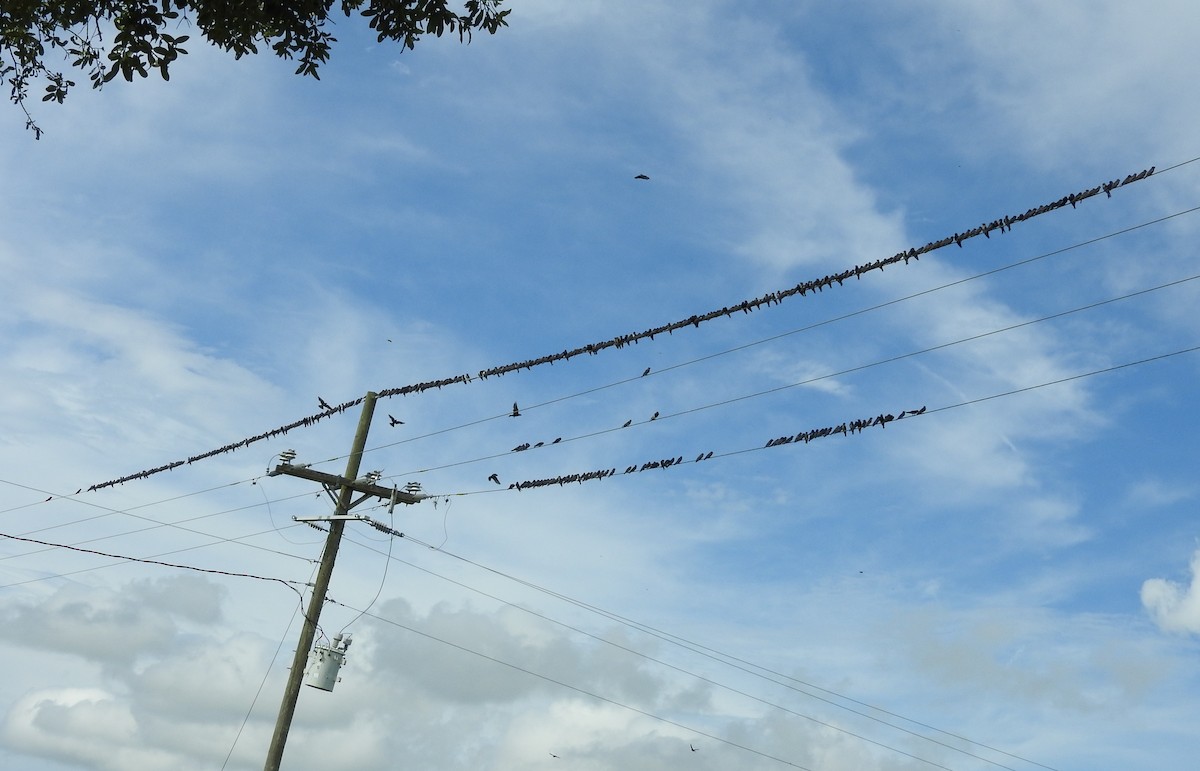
(540, 444)
(77, 492)
(494, 478)
(553, 755)
(556, 441)
(324, 404)
(641, 176)
(48, 499)
(693, 748)
(647, 372)
(395, 422)
(628, 423)
(516, 413)
(654, 416)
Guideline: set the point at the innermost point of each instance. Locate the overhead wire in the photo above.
(662, 369)
(262, 683)
(253, 480)
(808, 435)
(148, 561)
(705, 651)
(1000, 224)
(115, 564)
(154, 526)
(807, 381)
(702, 678)
(606, 699)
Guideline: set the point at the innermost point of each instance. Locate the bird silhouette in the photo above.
(641, 176)
(692, 748)
(77, 492)
(324, 404)
(647, 372)
(556, 441)
(654, 416)
(395, 422)
(628, 423)
(494, 478)
(516, 413)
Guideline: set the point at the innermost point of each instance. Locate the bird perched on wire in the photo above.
(323, 404)
(647, 372)
(628, 423)
(494, 478)
(516, 413)
(395, 422)
(654, 416)
(641, 176)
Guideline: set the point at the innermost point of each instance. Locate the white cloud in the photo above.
(1172, 605)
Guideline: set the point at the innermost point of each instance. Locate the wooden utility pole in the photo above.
(346, 486)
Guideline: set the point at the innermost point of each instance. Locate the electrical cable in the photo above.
(115, 564)
(658, 370)
(274, 657)
(689, 673)
(156, 524)
(705, 651)
(1000, 224)
(590, 694)
(147, 561)
(382, 580)
(807, 328)
(817, 378)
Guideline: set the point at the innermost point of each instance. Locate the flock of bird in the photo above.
(845, 429)
(1001, 224)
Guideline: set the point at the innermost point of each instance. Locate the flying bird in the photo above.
(395, 422)
(516, 413)
(647, 372)
(324, 404)
(641, 176)
(494, 478)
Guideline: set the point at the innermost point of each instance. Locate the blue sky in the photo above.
(997, 583)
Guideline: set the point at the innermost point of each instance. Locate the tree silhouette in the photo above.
(144, 34)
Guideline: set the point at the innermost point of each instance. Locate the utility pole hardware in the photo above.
(346, 486)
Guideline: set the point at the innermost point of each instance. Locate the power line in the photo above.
(1001, 225)
(614, 702)
(807, 328)
(114, 564)
(156, 524)
(689, 673)
(710, 653)
(126, 558)
(659, 370)
(646, 465)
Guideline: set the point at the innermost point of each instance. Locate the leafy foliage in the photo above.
(142, 36)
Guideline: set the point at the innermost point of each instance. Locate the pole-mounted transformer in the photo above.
(325, 661)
